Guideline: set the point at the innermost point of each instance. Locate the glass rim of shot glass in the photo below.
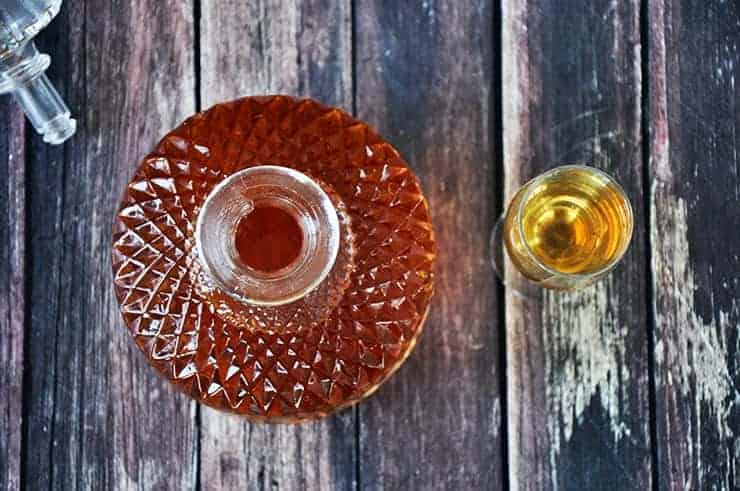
(531, 185)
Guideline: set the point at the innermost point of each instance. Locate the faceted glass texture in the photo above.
(290, 362)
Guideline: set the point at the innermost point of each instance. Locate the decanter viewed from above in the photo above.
(273, 257)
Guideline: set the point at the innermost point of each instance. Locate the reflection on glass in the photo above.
(565, 228)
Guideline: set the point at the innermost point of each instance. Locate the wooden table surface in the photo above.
(631, 384)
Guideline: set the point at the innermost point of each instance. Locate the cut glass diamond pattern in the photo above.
(297, 361)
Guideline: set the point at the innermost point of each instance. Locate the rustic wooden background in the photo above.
(631, 384)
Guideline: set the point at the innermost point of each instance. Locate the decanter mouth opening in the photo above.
(267, 235)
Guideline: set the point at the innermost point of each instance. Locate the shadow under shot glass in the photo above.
(563, 230)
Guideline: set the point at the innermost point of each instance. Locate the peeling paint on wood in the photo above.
(95, 417)
(578, 408)
(267, 47)
(696, 362)
(694, 234)
(586, 361)
(12, 286)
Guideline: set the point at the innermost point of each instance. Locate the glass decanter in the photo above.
(273, 257)
(22, 67)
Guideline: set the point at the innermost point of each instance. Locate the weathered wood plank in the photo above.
(578, 398)
(264, 47)
(98, 416)
(424, 79)
(695, 189)
(12, 287)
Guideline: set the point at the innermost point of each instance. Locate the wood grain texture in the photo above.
(577, 374)
(267, 47)
(12, 289)
(695, 190)
(424, 74)
(98, 416)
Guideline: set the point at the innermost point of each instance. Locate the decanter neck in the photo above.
(288, 193)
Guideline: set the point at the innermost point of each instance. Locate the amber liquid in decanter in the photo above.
(273, 257)
(268, 239)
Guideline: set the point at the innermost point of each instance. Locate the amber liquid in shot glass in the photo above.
(568, 227)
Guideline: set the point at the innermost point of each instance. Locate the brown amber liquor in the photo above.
(268, 238)
(273, 257)
(568, 227)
